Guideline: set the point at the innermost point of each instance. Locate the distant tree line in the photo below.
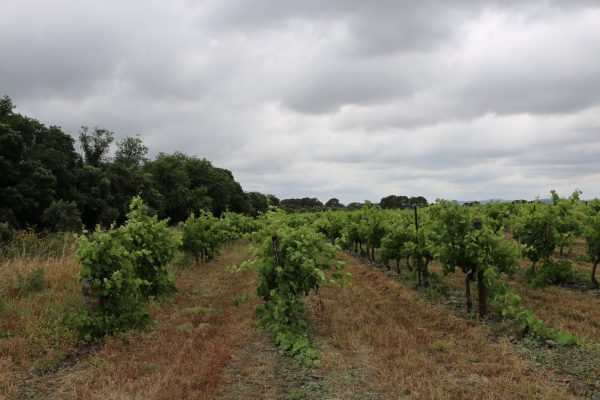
(402, 202)
(47, 185)
(314, 204)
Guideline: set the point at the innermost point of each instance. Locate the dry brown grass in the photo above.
(37, 338)
(407, 348)
(563, 308)
(184, 353)
(572, 310)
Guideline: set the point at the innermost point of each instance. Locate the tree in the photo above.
(95, 145)
(62, 216)
(38, 165)
(402, 202)
(303, 204)
(273, 200)
(127, 175)
(131, 151)
(259, 203)
(354, 206)
(6, 107)
(418, 201)
(393, 201)
(333, 204)
(183, 184)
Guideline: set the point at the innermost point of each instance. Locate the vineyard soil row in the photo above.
(378, 340)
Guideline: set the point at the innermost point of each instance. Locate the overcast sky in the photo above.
(348, 99)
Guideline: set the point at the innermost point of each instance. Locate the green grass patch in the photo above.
(440, 346)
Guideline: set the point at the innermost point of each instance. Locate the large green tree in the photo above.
(38, 166)
(43, 176)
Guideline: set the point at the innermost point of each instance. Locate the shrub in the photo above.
(122, 268)
(152, 245)
(553, 273)
(62, 216)
(6, 232)
(115, 301)
(299, 268)
(202, 236)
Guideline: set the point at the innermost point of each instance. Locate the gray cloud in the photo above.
(343, 99)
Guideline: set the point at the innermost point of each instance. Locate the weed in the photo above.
(181, 261)
(238, 301)
(32, 281)
(297, 394)
(440, 346)
(552, 273)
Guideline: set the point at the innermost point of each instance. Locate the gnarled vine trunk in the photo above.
(594, 280)
(468, 279)
(481, 293)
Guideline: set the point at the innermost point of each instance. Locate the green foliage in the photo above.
(460, 240)
(95, 144)
(367, 226)
(420, 250)
(238, 224)
(398, 242)
(372, 226)
(331, 224)
(592, 237)
(498, 216)
(238, 301)
(122, 269)
(131, 151)
(552, 273)
(567, 221)
(333, 204)
(536, 231)
(402, 202)
(527, 320)
(304, 258)
(62, 216)
(258, 203)
(40, 166)
(203, 236)
(6, 232)
(301, 205)
(181, 261)
(114, 289)
(510, 304)
(152, 245)
(350, 234)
